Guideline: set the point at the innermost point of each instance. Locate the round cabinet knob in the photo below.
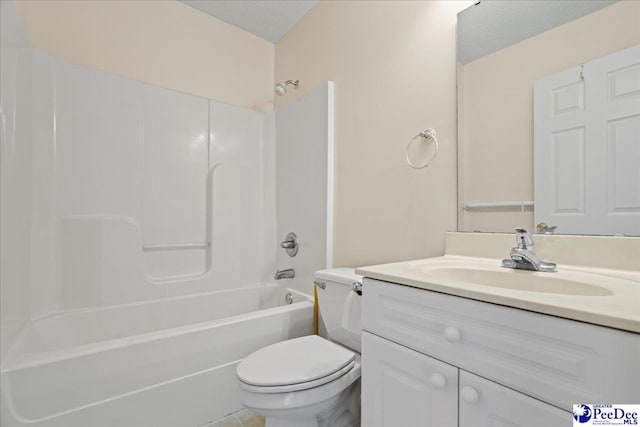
(438, 381)
(470, 394)
(452, 334)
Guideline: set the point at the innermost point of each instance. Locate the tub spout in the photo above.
(289, 273)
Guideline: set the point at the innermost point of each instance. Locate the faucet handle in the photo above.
(546, 229)
(290, 244)
(524, 240)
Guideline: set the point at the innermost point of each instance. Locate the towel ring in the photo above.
(428, 135)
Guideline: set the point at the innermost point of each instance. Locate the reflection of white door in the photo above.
(587, 147)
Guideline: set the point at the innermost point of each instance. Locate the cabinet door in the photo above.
(404, 388)
(485, 403)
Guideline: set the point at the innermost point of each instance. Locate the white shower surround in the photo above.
(82, 175)
(98, 171)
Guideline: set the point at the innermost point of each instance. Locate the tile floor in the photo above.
(244, 418)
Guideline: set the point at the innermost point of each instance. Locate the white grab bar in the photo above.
(187, 245)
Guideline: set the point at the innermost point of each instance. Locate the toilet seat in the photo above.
(299, 386)
(293, 365)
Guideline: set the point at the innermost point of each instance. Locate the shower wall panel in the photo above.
(16, 167)
(106, 169)
(97, 136)
(98, 133)
(305, 182)
(174, 196)
(239, 216)
(44, 270)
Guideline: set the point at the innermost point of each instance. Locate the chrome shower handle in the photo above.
(290, 244)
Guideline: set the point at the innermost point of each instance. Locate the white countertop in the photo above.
(605, 297)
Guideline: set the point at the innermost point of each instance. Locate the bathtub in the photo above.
(167, 363)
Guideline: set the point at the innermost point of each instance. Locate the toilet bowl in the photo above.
(311, 381)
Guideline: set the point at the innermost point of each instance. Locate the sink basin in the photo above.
(519, 280)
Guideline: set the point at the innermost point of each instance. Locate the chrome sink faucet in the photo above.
(523, 256)
(289, 273)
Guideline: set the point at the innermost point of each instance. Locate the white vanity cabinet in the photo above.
(435, 359)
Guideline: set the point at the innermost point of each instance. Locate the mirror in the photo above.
(504, 48)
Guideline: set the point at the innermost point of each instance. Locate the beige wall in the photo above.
(393, 63)
(496, 150)
(162, 42)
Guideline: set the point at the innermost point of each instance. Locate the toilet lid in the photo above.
(294, 361)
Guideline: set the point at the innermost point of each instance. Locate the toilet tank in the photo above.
(340, 307)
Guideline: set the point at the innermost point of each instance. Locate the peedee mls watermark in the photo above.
(605, 414)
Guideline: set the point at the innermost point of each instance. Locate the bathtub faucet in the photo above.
(289, 273)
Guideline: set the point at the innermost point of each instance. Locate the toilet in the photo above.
(311, 381)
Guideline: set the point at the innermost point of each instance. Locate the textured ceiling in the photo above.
(489, 26)
(269, 19)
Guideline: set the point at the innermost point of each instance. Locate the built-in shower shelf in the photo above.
(163, 246)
